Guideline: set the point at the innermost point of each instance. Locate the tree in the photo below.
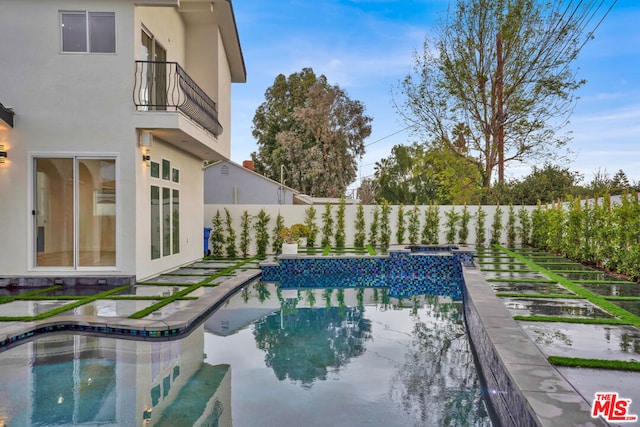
(314, 130)
(496, 86)
(547, 184)
(417, 173)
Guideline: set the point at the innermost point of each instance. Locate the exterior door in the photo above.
(75, 212)
(155, 71)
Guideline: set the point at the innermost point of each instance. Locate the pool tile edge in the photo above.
(547, 400)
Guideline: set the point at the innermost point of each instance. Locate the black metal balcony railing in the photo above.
(167, 86)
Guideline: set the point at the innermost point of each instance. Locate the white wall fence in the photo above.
(293, 214)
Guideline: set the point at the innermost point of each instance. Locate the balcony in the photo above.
(165, 86)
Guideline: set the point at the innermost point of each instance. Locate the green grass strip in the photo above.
(579, 290)
(576, 362)
(505, 270)
(604, 282)
(186, 274)
(561, 261)
(620, 298)
(521, 295)
(66, 307)
(183, 293)
(582, 320)
(11, 298)
(370, 250)
(500, 262)
(510, 280)
(168, 284)
(326, 251)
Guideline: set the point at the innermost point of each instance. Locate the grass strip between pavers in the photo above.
(603, 282)
(620, 298)
(168, 300)
(326, 250)
(370, 250)
(581, 320)
(501, 263)
(505, 270)
(510, 280)
(598, 300)
(521, 295)
(576, 362)
(66, 307)
(27, 295)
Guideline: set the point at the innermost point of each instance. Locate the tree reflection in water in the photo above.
(304, 344)
(437, 383)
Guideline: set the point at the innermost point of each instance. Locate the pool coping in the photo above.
(523, 387)
(175, 325)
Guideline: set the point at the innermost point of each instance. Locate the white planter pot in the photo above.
(289, 248)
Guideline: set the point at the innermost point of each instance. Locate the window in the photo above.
(92, 32)
(165, 209)
(155, 222)
(166, 169)
(155, 170)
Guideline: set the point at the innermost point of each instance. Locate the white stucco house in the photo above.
(110, 109)
(228, 183)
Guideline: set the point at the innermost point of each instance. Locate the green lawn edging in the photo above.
(576, 362)
(597, 300)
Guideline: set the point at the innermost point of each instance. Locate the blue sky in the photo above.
(366, 48)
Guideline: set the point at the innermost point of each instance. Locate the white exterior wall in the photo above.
(296, 214)
(79, 104)
(55, 96)
(191, 202)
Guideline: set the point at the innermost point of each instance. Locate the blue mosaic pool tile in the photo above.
(414, 270)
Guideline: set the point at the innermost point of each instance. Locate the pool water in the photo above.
(268, 357)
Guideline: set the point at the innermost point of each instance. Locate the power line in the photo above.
(388, 136)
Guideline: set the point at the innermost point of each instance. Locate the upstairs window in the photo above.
(90, 32)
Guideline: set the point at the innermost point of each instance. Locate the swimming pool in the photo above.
(268, 357)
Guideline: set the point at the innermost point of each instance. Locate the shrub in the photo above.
(524, 228)
(385, 227)
(452, 221)
(360, 226)
(260, 226)
(340, 233)
(231, 235)
(400, 227)
(217, 236)
(276, 245)
(245, 235)
(511, 227)
(431, 229)
(414, 224)
(310, 222)
(463, 233)
(481, 217)
(327, 226)
(496, 227)
(373, 229)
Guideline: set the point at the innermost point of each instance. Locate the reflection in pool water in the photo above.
(268, 357)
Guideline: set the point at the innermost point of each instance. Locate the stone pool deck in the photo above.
(513, 353)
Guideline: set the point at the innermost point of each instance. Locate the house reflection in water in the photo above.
(80, 380)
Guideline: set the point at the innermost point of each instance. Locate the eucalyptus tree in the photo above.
(311, 131)
(495, 83)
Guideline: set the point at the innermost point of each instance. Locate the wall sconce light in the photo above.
(146, 415)
(146, 156)
(146, 138)
(3, 154)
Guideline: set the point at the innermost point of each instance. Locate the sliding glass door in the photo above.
(75, 212)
